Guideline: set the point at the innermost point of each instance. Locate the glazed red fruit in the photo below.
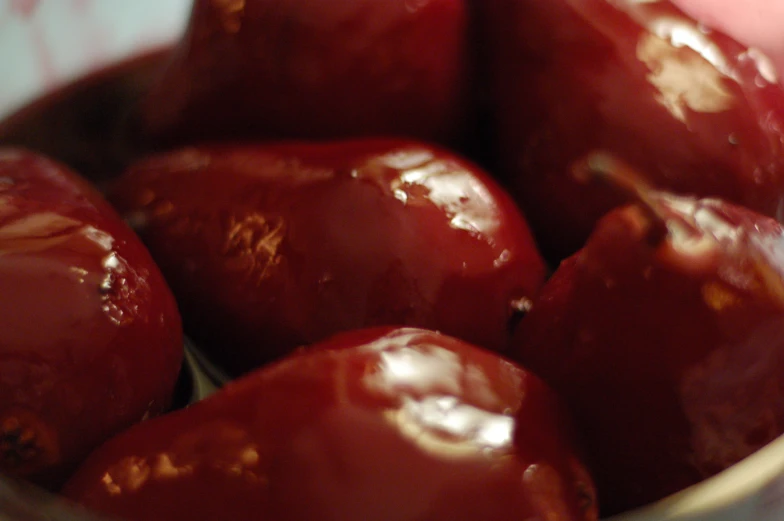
(90, 337)
(382, 424)
(694, 110)
(272, 246)
(666, 336)
(304, 69)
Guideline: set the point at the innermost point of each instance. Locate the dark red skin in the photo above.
(673, 371)
(302, 69)
(383, 424)
(567, 81)
(272, 246)
(90, 336)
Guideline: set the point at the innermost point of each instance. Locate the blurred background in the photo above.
(44, 43)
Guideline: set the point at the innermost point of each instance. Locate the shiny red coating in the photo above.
(383, 424)
(668, 348)
(694, 110)
(90, 336)
(302, 69)
(271, 246)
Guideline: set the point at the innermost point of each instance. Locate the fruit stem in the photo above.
(602, 166)
(629, 182)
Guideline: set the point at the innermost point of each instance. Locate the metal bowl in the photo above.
(752, 490)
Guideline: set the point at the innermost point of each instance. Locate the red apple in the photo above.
(383, 424)
(272, 246)
(665, 335)
(695, 111)
(304, 69)
(90, 337)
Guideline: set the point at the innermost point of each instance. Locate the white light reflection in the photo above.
(460, 194)
(417, 370)
(764, 65)
(444, 426)
(463, 197)
(407, 159)
(682, 33)
(101, 238)
(684, 80)
(111, 262)
(38, 225)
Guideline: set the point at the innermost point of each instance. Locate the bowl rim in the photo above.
(750, 490)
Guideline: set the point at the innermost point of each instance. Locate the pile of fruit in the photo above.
(334, 205)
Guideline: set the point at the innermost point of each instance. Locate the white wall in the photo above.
(44, 43)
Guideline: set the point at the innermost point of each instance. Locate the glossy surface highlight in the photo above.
(91, 339)
(667, 342)
(695, 111)
(383, 424)
(271, 246)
